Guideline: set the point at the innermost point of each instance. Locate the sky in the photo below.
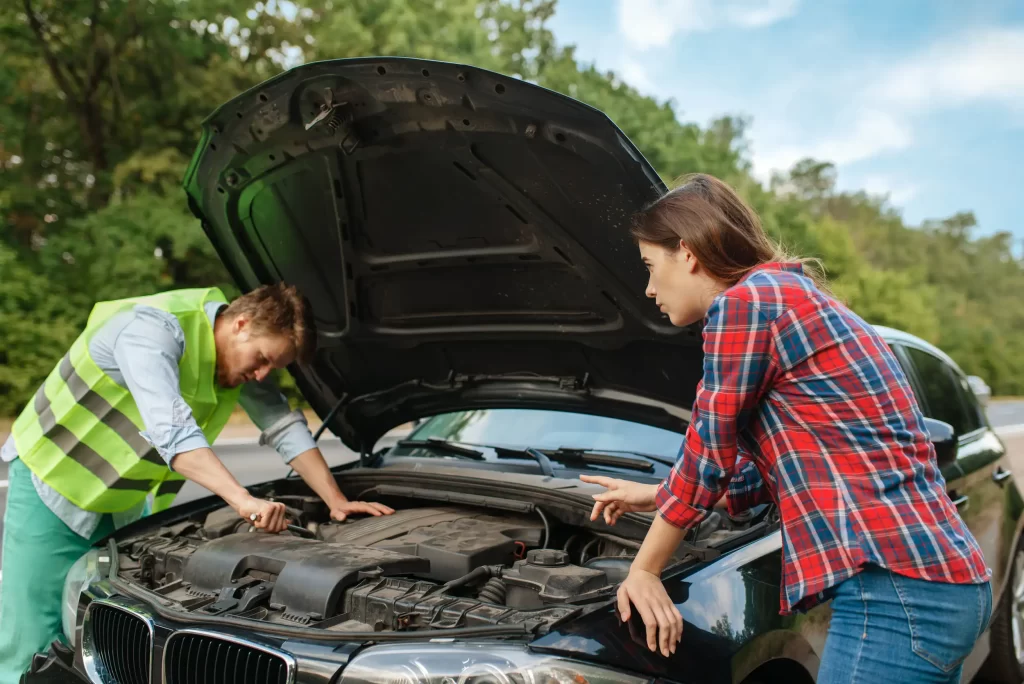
(920, 100)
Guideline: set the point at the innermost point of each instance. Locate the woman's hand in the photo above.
(661, 617)
(622, 496)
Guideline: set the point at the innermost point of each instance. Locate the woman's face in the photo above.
(676, 283)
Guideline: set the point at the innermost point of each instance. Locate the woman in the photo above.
(802, 391)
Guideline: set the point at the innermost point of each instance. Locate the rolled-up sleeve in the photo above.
(147, 352)
(737, 364)
(746, 488)
(283, 430)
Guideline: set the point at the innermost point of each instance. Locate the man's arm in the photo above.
(147, 351)
(288, 433)
(204, 468)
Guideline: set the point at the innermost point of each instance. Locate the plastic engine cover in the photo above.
(454, 540)
(311, 576)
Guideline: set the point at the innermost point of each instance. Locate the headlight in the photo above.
(472, 664)
(91, 567)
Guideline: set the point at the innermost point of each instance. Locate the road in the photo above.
(251, 464)
(1004, 413)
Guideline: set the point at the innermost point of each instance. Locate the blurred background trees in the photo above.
(101, 108)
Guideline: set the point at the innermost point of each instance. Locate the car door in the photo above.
(981, 461)
(975, 481)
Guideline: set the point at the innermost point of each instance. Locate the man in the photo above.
(126, 417)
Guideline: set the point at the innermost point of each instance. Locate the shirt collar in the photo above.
(212, 309)
(786, 266)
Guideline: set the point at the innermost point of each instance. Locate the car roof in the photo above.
(894, 336)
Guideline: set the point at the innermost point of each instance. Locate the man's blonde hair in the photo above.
(282, 310)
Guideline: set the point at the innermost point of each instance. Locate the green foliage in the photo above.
(101, 108)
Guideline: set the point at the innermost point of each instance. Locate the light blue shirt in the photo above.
(140, 350)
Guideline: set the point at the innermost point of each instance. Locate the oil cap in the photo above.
(549, 558)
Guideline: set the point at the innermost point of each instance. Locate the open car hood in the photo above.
(461, 235)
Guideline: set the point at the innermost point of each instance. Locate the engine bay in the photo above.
(424, 567)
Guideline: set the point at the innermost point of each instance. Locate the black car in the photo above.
(462, 238)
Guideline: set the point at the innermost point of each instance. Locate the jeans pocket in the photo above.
(986, 613)
(945, 620)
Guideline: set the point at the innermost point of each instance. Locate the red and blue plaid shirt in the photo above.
(804, 403)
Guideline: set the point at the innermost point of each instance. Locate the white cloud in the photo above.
(633, 72)
(873, 132)
(898, 192)
(980, 65)
(653, 23)
(758, 13)
(974, 67)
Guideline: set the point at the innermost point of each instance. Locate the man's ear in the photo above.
(240, 326)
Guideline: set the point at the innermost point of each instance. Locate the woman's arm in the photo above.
(747, 488)
(737, 368)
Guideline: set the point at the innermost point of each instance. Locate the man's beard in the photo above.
(223, 378)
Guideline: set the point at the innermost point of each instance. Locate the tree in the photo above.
(103, 100)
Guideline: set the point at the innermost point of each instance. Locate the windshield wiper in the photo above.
(440, 445)
(574, 457)
(570, 456)
(578, 457)
(608, 452)
(537, 455)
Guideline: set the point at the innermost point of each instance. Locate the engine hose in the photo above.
(586, 549)
(469, 578)
(493, 592)
(547, 528)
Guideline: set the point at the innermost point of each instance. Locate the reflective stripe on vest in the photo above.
(163, 495)
(81, 433)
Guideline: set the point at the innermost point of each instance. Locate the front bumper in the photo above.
(307, 662)
(56, 666)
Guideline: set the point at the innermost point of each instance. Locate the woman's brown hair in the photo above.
(714, 223)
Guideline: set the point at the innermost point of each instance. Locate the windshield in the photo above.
(521, 428)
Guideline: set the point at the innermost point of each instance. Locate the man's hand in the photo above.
(310, 465)
(622, 496)
(661, 617)
(204, 468)
(342, 510)
(265, 515)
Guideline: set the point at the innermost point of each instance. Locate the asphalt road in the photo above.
(250, 463)
(1003, 413)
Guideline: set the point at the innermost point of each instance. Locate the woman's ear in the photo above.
(688, 258)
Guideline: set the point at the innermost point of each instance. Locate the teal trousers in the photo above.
(38, 551)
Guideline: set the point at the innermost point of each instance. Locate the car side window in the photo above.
(942, 393)
(975, 414)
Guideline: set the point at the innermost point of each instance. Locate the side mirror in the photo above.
(980, 389)
(943, 437)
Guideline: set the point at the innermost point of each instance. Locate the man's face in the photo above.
(243, 356)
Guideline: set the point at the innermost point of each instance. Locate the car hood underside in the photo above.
(461, 235)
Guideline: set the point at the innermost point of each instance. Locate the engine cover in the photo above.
(454, 540)
(310, 577)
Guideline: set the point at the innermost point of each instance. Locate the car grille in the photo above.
(203, 659)
(122, 643)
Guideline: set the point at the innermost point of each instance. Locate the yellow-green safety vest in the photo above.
(81, 433)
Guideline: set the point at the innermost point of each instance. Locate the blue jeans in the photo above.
(890, 628)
